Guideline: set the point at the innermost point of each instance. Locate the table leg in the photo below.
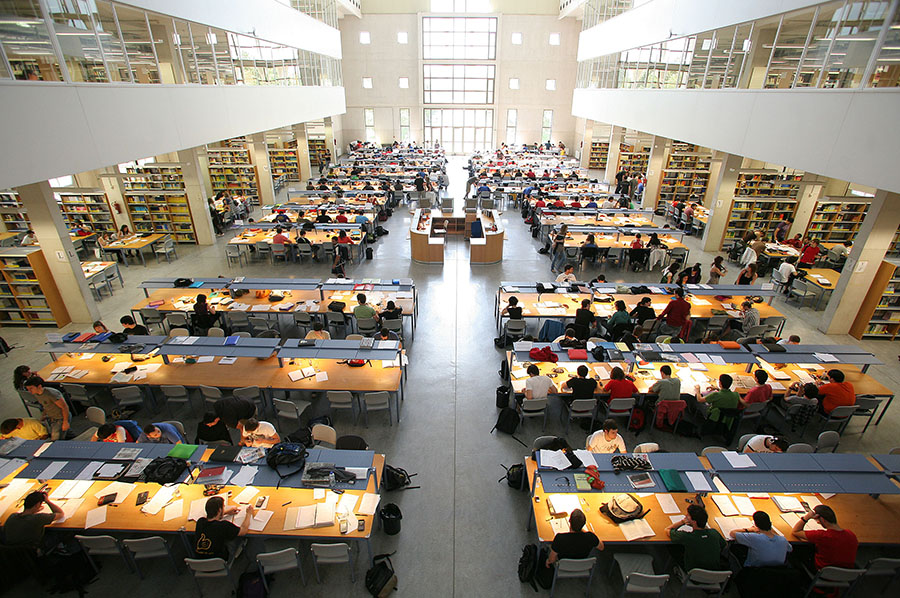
(122, 281)
(884, 409)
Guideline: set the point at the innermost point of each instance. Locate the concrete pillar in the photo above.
(659, 149)
(725, 169)
(807, 196)
(306, 170)
(587, 139)
(196, 193)
(329, 138)
(53, 235)
(872, 242)
(259, 156)
(616, 136)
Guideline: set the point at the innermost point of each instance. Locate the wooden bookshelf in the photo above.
(599, 154)
(682, 147)
(157, 202)
(760, 199)
(879, 314)
(28, 294)
(284, 161)
(633, 159)
(894, 250)
(318, 150)
(837, 219)
(12, 213)
(231, 170)
(87, 208)
(685, 174)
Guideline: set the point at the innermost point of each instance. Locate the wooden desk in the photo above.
(170, 296)
(426, 245)
(96, 273)
(312, 213)
(604, 241)
(134, 243)
(600, 220)
(489, 248)
(832, 277)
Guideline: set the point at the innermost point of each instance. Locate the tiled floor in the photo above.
(462, 531)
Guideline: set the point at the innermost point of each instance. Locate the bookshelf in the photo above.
(760, 199)
(633, 159)
(879, 314)
(686, 174)
(28, 293)
(317, 151)
(598, 155)
(13, 213)
(894, 250)
(86, 207)
(157, 202)
(230, 170)
(682, 147)
(837, 219)
(283, 161)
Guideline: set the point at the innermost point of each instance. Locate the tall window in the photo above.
(459, 38)
(460, 130)
(512, 118)
(370, 125)
(404, 125)
(546, 126)
(459, 83)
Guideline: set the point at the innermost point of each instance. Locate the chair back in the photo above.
(837, 577)
(641, 583)
(349, 442)
(95, 415)
(621, 406)
(126, 392)
(575, 567)
(883, 566)
(353, 337)
(210, 392)
(828, 440)
(713, 449)
(331, 553)
(515, 327)
(646, 447)
(377, 399)
(177, 425)
(841, 413)
(340, 398)
(99, 544)
(302, 318)
(800, 447)
(542, 442)
(173, 332)
(216, 332)
(582, 407)
(754, 409)
(865, 403)
(534, 406)
(250, 393)
(146, 547)
(706, 579)
(324, 433)
(207, 567)
(286, 409)
(281, 560)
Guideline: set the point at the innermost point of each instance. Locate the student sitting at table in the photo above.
(764, 443)
(633, 337)
(131, 328)
(392, 311)
(113, 433)
(636, 243)
(791, 340)
(205, 315)
(576, 544)
(719, 398)
(27, 528)
(760, 393)
(211, 429)
(670, 274)
(569, 339)
(765, 546)
(808, 254)
(835, 393)
(344, 238)
(657, 251)
(592, 203)
(584, 319)
(581, 387)
(589, 249)
(619, 322)
(280, 238)
(28, 239)
(620, 386)
(568, 274)
(318, 332)
(257, 433)
(643, 311)
(323, 218)
(749, 320)
(99, 327)
(213, 535)
(363, 310)
(341, 217)
(23, 427)
(834, 545)
(666, 388)
(161, 433)
(512, 310)
(606, 440)
(538, 386)
(796, 242)
(702, 546)
(676, 314)
(747, 275)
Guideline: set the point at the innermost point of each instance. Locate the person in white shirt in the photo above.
(538, 386)
(607, 439)
(609, 204)
(787, 272)
(29, 239)
(257, 433)
(791, 340)
(763, 443)
(568, 274)
(842, 250)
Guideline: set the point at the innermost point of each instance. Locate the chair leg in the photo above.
(316, 567)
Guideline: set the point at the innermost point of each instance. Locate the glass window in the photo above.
(63, 181)
(550, 85)
(512, 117)
(857, 27)
(26, 43)
(887, 66)
(111, 41)
(402, 37)
(516, 39)
(460, 130)
(74, 25)
(459, 83)
(514, 83)
(404, 125)
(403, 82)
(459, 38)
(554, 39)
(184, 45)
(204, 40)
(364, 37)
(369, 119)
(367, 82)
(546, 126)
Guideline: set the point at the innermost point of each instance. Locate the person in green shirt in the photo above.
(720, 398)
(702, 546)
(364, 310)
(619, 321)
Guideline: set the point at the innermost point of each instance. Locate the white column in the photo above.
(329, 138)
(616, 136)
(659, 149)
(723, 179)
(196, 195)
(259, 156)
(306, 170)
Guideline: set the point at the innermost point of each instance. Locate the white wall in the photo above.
(660, 20)
(266, 19)
(843, 134)
(61, 129)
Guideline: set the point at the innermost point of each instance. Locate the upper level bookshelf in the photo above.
(761, 197)
(15, 220)
(686, 174)
(157, 201)
(837, 219)
(87, 208)
(28, 293)
(231, 170)
(633, 159)
(598, 155)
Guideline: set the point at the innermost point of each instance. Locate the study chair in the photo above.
(713, 449)
(274, 562)
(705, 580)
(834, 579)
(743, 442)
(101, 546)
(209, 568)
(148, 548)
(574, 568)
(800, 447)
(839, 415)
(176, 394)
(884, 567)
(828, 441)
(322, 433)
(638, 576)
(534, 408)
(378, 401)
(289, 410)
(332, 554)
(341, 399)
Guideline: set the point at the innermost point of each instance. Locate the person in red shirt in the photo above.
(343, 238)
(809, 254)
(341, 217)
(676, 314)
(835, 546)
(559, 204)
(836, 392)
(760, 393)
(540, 203)
(280, 238)
(575, 204)
(797, 241)
(637, 243)
(620, 386)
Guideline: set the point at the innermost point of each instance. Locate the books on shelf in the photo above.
(761, 198)
(231, 170)
(157, 201)
(837, 219)
(86, 208)
(879, 312)
(599, 154)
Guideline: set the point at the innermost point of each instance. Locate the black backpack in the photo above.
(528, 564)
(286, 453)
(515, 476)
(503, 397)
(381, 579)
(508, 422)
(396, 478)
(164, 470)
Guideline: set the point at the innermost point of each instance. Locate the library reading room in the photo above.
(635, 264)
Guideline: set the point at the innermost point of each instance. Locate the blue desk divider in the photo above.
(801, 462)
(891, 463)
(564, 480)
(807, 481)
(68, 472)
(865, 483)
(754, 481)
(24, 450)
(849, 462)
(72, 449)
(679, 461)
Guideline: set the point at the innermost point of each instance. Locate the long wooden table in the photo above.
(831, 276)
(134, 243)
(604, 241)
(95, 273)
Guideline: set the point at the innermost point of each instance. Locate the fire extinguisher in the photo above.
(117, 207)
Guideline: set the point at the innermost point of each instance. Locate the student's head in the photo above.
(317, 326)
(392, 305)
(9, 425)
(695, 268)
(34, 385)
(577, 520)
(385, 333)
(152, 431)
(278, 229)
(620, 305)
(33, 500)
(778, 444)
(751, 269)
(762, 521)
(717, 261)
(569, 268)
(697, 514)
(610, 429)
(600, 278)
(127, 321)
(665, 371)
(361, 298)
(201, 298)
(637, 237)
(570, 332)
(20, 375)
(100, 327)
(106, 431)
(679, 292)
(761, 376)
(513, 300)
(617, 374)
(725, 381)
(746, 305)
(582, 371)
(793, 339)
(810, 391)
(586, 303)
(250, 424)
(533, 370)
(214, 506)
(210, 419)
(825, 513)
(836, 375)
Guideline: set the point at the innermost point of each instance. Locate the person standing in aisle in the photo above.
(215, 216)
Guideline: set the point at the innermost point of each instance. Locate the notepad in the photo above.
(322, 377)
(738, 460)
(636, 529)
(324, 514)
(667, 504)
(726, 507)
(159, 500)
(260, 520)
(788, 504)
(698, 481)
(728, 524)
(560, 525)
(744, 505)
(369, 503)
(174, 510)
(95, 517)
(792, 518)
(306, 517)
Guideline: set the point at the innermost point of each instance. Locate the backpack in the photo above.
(164, 470)
(508, 422)
(623, 507)
(528, 565)
(502, 397)
(380, 579)
(638, 420)
(515, 476)
(286, 453)
(396, 478)
(503, 372)
(250, 585)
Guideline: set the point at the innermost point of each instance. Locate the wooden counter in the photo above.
(489, 248)
(426, 247)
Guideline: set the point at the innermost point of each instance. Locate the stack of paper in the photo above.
(726, 507)
(727, 524)
(667, 504)
(788, 504)
(636, 529)
(738, 460)
(369, 503)
(159, 500)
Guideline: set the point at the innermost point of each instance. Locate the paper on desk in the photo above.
(318, 493)
(121, 489)
(11, 494)
(51, 470)
(738, 460)
(347, 503)
(290, 518)
(827, 357)
(792, 518)
(683, 528)
(369, 503)
(121, 378)
(246, 495)
(554, 459)
(331, 497)
(244, 476)
(698, 481)
(726, 507)
(812, 501)
(70, 507)
(260, 520)
(586, 457)
(322, 377)
(174, 510)
(826, 495)
(227, 360)
(720, 485)
(636, 529)
(788, 503)
(95, 517)
(74, 489)
(86, 355)
(137, 376)
(159, 500)
(88, 472)
(758, 495)
(667, 504)
(121, 366)
(717, 359)
(198, 507)
(296, 375)
(744, 505)
(803, 376)
(205, 359)
(727, 524)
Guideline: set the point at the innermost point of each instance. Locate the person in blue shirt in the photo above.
(528, 190)
(361, 219)
(591, 204)
(477, 229)
(161, 432)
(483, 188)
(765, 546)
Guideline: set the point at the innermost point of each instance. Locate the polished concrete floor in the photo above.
(462, 531)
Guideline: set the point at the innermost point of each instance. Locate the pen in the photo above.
(286, 504)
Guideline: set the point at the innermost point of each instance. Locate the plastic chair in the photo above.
(167, 249)
(234, 253)
(209, 568)
(378, 401)
(621, 407)
(884, 567)
(210, 395)
(324, 433)
(713, 449)
(581, 409)
(77, 393)
(353, 337)
(800, 447)
(152, 317)
(705, 580)
(515, 329)
(743, 442)
(281, 560)
(534, 408)
(349, 442)
(834, 578)
(638, 576)
(149, 548)
(251, 393)
(263, 249)
(176, 320)
(257, 325)
(176, 394)
(215, 332)
(647, 447)
(840, 415)
(238, 320)
(173, 332)
(828, 440)
(341, 399)
(125, 396)
(801, 291)
(866, 406)
(335, 320)
(303, 321)
(101, 546)
(95, 415)
(332, 554)
(289, 410)
(366, 326)
(574, 568)
(279, 250)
